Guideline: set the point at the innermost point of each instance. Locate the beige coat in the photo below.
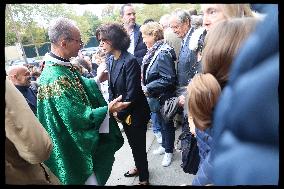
(27, 143)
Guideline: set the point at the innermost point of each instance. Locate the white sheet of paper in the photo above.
(92, 180)
(104, 128)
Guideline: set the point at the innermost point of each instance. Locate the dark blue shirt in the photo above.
(30, 96)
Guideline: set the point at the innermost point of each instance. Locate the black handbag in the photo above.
(189, 152)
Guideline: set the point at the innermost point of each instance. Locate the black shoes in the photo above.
(133, 174)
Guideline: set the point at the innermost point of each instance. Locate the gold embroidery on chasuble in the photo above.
(54, 89)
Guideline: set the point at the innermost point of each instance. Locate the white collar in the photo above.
(51, 60)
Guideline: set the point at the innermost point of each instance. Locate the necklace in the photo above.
(79, 85)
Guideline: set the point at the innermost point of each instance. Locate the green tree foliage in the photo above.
(184, 6)
(93, 21)
(83, 25)
(38, 34)
(198, 8)
(87, 23)
(110, 14)
(49, 12)
(31, 20)
(10, 38)
(24, 13)
(10, 35)
(147, 11)
(155, 11)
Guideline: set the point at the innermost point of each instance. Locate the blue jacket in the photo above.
(161, 76)
(204, 142)
(140, 48)
(187, 63)
(245, 150)
(125, 80)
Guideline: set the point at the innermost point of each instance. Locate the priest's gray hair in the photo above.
(61, 28)
(181, 15)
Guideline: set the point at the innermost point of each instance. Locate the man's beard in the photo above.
(130, 24)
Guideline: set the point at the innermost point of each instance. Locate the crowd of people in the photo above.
(221, 79)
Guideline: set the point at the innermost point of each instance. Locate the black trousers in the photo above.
(136, 135)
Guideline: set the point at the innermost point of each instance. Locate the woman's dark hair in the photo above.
(116, 34)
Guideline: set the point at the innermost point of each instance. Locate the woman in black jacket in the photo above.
(125, 79)
(159, 80)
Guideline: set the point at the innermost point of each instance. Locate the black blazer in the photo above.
(125, 80)
(140, 48)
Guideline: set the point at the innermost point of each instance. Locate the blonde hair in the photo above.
(203, 91)
(221, 45)
(153, 29)
(235, 10)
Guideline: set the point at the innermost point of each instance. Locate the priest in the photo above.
(72, 109)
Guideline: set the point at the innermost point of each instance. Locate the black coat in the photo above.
(125, 80)
(140, 48)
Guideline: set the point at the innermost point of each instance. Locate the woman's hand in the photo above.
(102, 72)
(181, 100)
(116, 106)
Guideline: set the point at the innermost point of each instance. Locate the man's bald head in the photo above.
(19, 75)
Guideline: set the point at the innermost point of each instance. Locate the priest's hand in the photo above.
(116, 106)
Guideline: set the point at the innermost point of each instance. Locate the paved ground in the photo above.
(159, 175)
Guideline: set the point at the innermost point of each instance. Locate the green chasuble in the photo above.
(71, 108)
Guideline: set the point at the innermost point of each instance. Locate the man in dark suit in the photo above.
(137, 46)
(187, 63)
(21, 78)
